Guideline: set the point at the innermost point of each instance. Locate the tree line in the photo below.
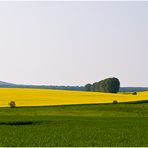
(110, 85)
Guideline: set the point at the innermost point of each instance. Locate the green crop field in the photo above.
(75, 125)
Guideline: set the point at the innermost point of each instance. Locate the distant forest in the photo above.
(78, 88)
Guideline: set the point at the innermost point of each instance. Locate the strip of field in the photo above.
(46, 97)
(75, 125)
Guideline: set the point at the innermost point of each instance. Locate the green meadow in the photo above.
(75, 125)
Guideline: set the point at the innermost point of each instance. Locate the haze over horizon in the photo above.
(73, 43)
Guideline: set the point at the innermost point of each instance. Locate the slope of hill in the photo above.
(2, 83)
(12, 85)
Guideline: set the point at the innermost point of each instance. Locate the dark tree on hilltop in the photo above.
(110, 85)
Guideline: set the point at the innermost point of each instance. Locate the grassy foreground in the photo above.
(75, 125)
(46, 97)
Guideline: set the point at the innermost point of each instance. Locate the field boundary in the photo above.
(129, 102)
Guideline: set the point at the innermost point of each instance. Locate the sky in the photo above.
(73, 43)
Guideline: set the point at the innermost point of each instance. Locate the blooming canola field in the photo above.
(47, 97)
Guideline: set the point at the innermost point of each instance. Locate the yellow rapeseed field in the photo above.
(45, 97)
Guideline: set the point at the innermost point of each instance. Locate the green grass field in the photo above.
(75, 125)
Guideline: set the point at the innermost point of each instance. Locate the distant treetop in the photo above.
(110, 85)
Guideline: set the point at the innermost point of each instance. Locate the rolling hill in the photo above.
(2, 83)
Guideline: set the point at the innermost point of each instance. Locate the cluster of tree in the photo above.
(110, 85)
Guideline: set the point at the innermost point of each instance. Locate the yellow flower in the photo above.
(46, 97)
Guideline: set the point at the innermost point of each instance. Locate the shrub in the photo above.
(134, 93)
(115, 102)
(12, 104)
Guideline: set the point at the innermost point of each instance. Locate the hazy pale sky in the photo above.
(73, 43)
